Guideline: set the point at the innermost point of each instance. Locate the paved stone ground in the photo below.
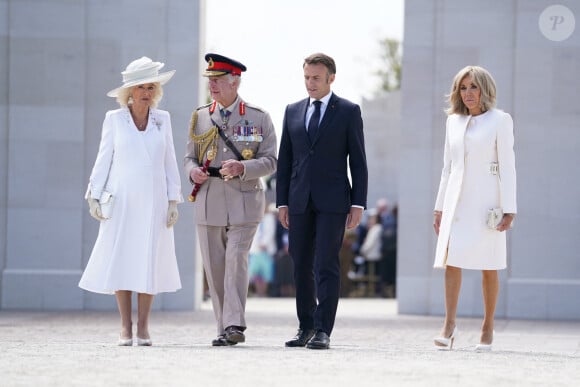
(371, 346)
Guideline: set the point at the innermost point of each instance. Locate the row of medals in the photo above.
(246, 134)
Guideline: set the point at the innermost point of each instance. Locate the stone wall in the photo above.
(382, 127)
(58, 58)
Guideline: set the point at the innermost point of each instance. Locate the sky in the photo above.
(272, 38)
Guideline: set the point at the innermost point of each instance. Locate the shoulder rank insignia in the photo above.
(255, 107)
(203, 106)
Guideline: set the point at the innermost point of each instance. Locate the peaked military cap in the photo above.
(219, 65)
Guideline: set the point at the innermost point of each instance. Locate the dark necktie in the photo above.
(225, 114)
(313, 124)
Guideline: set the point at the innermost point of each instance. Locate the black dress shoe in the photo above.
(221, 341)
(319, 341)
(235, 334)
(301, 338)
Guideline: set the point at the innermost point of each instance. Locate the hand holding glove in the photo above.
(95, 209)
(172, 213)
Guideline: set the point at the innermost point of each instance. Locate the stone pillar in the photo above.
(537, 85)
(4, 80)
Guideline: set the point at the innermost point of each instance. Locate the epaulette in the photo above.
(204, 106)
(255, 107)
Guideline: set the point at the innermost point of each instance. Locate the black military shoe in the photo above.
(319, 341)
(235, 334)
(301, 338)
(221, 341)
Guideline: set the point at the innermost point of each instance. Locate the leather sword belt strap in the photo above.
(214, 172)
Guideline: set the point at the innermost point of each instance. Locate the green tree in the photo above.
(391, 56)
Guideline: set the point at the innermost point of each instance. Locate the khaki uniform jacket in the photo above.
(242, 199)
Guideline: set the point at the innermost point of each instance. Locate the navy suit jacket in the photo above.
(319, 169)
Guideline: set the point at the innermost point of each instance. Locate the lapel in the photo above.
(464, 121)
(235, 116)
(216, 116)
(327, 118)
(459, 138)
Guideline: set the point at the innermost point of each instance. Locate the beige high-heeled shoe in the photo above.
(446, 342)
(144, 342)
(485, 347)
(125, 342)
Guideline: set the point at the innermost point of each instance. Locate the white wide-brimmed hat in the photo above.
(141, 71)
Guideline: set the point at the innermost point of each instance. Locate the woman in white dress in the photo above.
(478, 175)
(133, 191)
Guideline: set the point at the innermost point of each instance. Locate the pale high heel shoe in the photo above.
(144, 342)
(446, 342)
(485, 347)
(125, 342)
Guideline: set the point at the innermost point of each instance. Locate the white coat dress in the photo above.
(468, 189)
(135, 249)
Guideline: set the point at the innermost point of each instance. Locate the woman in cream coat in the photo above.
(135, 251)
(478, 175)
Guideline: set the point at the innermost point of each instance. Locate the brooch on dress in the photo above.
(157, 122)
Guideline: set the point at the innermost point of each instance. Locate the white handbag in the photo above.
(106, 201)
(494, 216)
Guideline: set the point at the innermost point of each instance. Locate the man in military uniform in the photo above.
(231, 145)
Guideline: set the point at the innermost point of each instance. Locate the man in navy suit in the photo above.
(321, 137)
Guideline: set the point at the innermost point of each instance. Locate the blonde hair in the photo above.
(124, 95)
(482, 79)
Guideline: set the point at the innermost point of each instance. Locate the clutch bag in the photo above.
(106, 201)
(494, 216)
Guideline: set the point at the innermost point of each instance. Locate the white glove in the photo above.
(172, 213)
(95, 208)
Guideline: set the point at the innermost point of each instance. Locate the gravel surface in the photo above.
(371, 346)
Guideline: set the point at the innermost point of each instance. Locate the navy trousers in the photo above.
(315, 240)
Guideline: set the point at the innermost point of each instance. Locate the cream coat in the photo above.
(467, 190)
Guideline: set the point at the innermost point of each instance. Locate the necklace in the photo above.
(141, 124)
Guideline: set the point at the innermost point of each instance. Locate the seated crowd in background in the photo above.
(270, 267)
(373, 267)
(368, 257)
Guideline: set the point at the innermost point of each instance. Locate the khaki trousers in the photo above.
(225, 253)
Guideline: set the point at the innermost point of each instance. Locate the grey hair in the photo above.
(233, 78)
